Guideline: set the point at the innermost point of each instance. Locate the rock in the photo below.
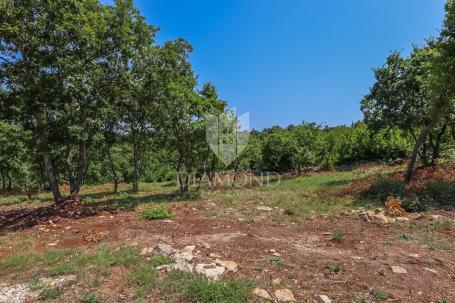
(276, 254)
(430, 270)
(206, 245)
(14, 294)
(185, 255)
(229, 265)
(414, 256)
(380, 218)
(402, 219)
(182, 266)
(284, 295)
(212, 255)
(276, 281)
(211, 271)
(262, 293)
(264, 208)
(322, 299)
(414, 216)
(164, 249)
(162, 267)
(398, 270)
(436, 217)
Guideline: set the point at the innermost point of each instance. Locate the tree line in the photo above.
(88, 96)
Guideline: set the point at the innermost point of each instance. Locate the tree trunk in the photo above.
(136, 160)
(113, 170)
(420, 140)
(3, 177)
(48, 165)
(81, 169)
(437, 145)
(10, 185)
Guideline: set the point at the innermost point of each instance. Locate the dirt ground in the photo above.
(302, 251)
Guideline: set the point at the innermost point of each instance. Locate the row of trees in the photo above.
(78, 78)
(87, 96)
(416, 94)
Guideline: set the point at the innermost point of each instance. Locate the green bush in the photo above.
(157, 213)
(384, 187)
(441, 193)
(413, 204)
(90, 298)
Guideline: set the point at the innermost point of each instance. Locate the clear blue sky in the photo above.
(288, 61)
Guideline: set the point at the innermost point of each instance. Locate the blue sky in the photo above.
(288, 61)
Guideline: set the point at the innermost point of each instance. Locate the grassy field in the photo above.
(114, 266)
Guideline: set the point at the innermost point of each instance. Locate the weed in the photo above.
(276, 260)
(334, 267)
(35, 284)
(202, 290)
(50, 293)
(90, 298)
(380, 295)
(144, 278)
(159, 260)
(337, 235)
(157, 213)
(289, 212)
(405, 238)
(440, 246)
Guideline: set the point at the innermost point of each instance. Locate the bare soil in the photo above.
(366, 251)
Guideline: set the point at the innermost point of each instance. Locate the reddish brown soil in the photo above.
(366, 252)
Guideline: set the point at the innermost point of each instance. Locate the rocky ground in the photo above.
(355, 257)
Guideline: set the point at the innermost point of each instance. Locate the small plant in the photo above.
(440, 246)
(90, 298)
(250, 221)
(334, 267)
(35, 284)
(289, 212)
(380, 295)
(337, 235)
(143, 277)
(381, 271)
(157, 213)
(50, 293)
(159, 260)
(405, 238)
(441, 301)
(276, 260)
(204, 291)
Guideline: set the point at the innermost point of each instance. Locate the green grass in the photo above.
(337, 235)
(50, 293)
(380, 295)
(91, 297)
(334, 267)
(35, 284)
(202, 290)
(276, 260)
(159, 260)
(142, 278)
(157, 213)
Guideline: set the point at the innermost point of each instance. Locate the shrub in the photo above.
(413, 204)
(157, 213)
(380, 295)
(441, 193)
(384, 187)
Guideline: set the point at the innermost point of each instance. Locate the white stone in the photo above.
(211, 271)
(262, 293)
(182, 266)
(285, 295)
(264, 208)
(430, 270)
(146, 251)
(185, 255)
(398, 270)
(322, 299)
(164, 249)
(276, 281)
(229, 265)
